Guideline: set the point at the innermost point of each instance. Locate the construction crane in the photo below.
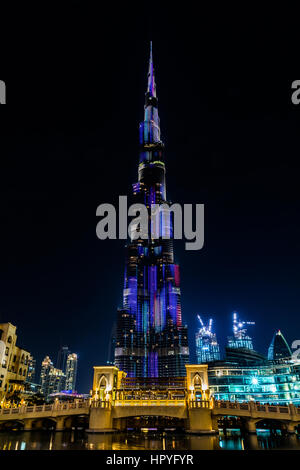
(239, 329)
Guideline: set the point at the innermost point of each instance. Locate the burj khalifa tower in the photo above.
(151, 340)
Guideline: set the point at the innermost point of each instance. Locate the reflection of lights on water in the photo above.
(23, 445)
(51, 442)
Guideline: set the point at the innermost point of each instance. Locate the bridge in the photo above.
(117, 398)
(252, 413)
(59, 415)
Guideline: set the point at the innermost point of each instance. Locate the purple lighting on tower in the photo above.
(156, 345)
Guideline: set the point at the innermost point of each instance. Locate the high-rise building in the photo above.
(52, 380)
(151, 340)
(207, 347)
(31, 372)
(62, 357)
(240, 338)
(71, 372)
(279, 348)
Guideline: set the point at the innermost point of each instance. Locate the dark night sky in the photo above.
(69, 141)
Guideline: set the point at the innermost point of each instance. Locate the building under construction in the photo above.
(207, 347)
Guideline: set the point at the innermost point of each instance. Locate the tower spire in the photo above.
(151, 88)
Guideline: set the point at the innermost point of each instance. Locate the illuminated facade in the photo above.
(272, 382)
(71, 372)
(13, 362)
(52, 380)
(246, 375)
(207, 347)
(31, 373)
(151, 340)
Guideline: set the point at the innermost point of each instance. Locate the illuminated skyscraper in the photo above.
(31, 372)
(240, 338)
(207, 347)
(71, 372)
(52, 380)
(279, 349)
(151, 340)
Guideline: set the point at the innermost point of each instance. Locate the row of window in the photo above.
(24, 360)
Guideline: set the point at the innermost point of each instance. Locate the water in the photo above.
(79, 440)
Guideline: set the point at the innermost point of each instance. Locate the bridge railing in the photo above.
(199, 404)
(252, 406)
(57, 406)
(156, 402)
(105, 404)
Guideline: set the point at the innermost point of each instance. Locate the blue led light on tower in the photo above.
(207, 347)
(151, 340)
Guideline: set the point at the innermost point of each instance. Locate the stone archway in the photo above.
(197, 381)
(197, 386)
(103, 386)
(273, 425)
(12, 425)
(44, 424)
(103, 382)
(76, 422)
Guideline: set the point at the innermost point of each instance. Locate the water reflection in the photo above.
(79, 440)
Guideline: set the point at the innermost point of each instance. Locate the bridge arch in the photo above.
(44, 424)
(162, 423)
(231, 421)
(12, 425)
(76, 421)
(274, 424)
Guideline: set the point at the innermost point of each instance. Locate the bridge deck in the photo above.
(256, 410)
(122, 408)
(44, 411)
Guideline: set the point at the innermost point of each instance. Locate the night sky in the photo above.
(76, 80)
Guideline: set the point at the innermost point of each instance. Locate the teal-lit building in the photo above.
(276, 383)
(246, 375)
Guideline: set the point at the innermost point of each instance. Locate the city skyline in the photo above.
(204, 346)
(58, 269)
